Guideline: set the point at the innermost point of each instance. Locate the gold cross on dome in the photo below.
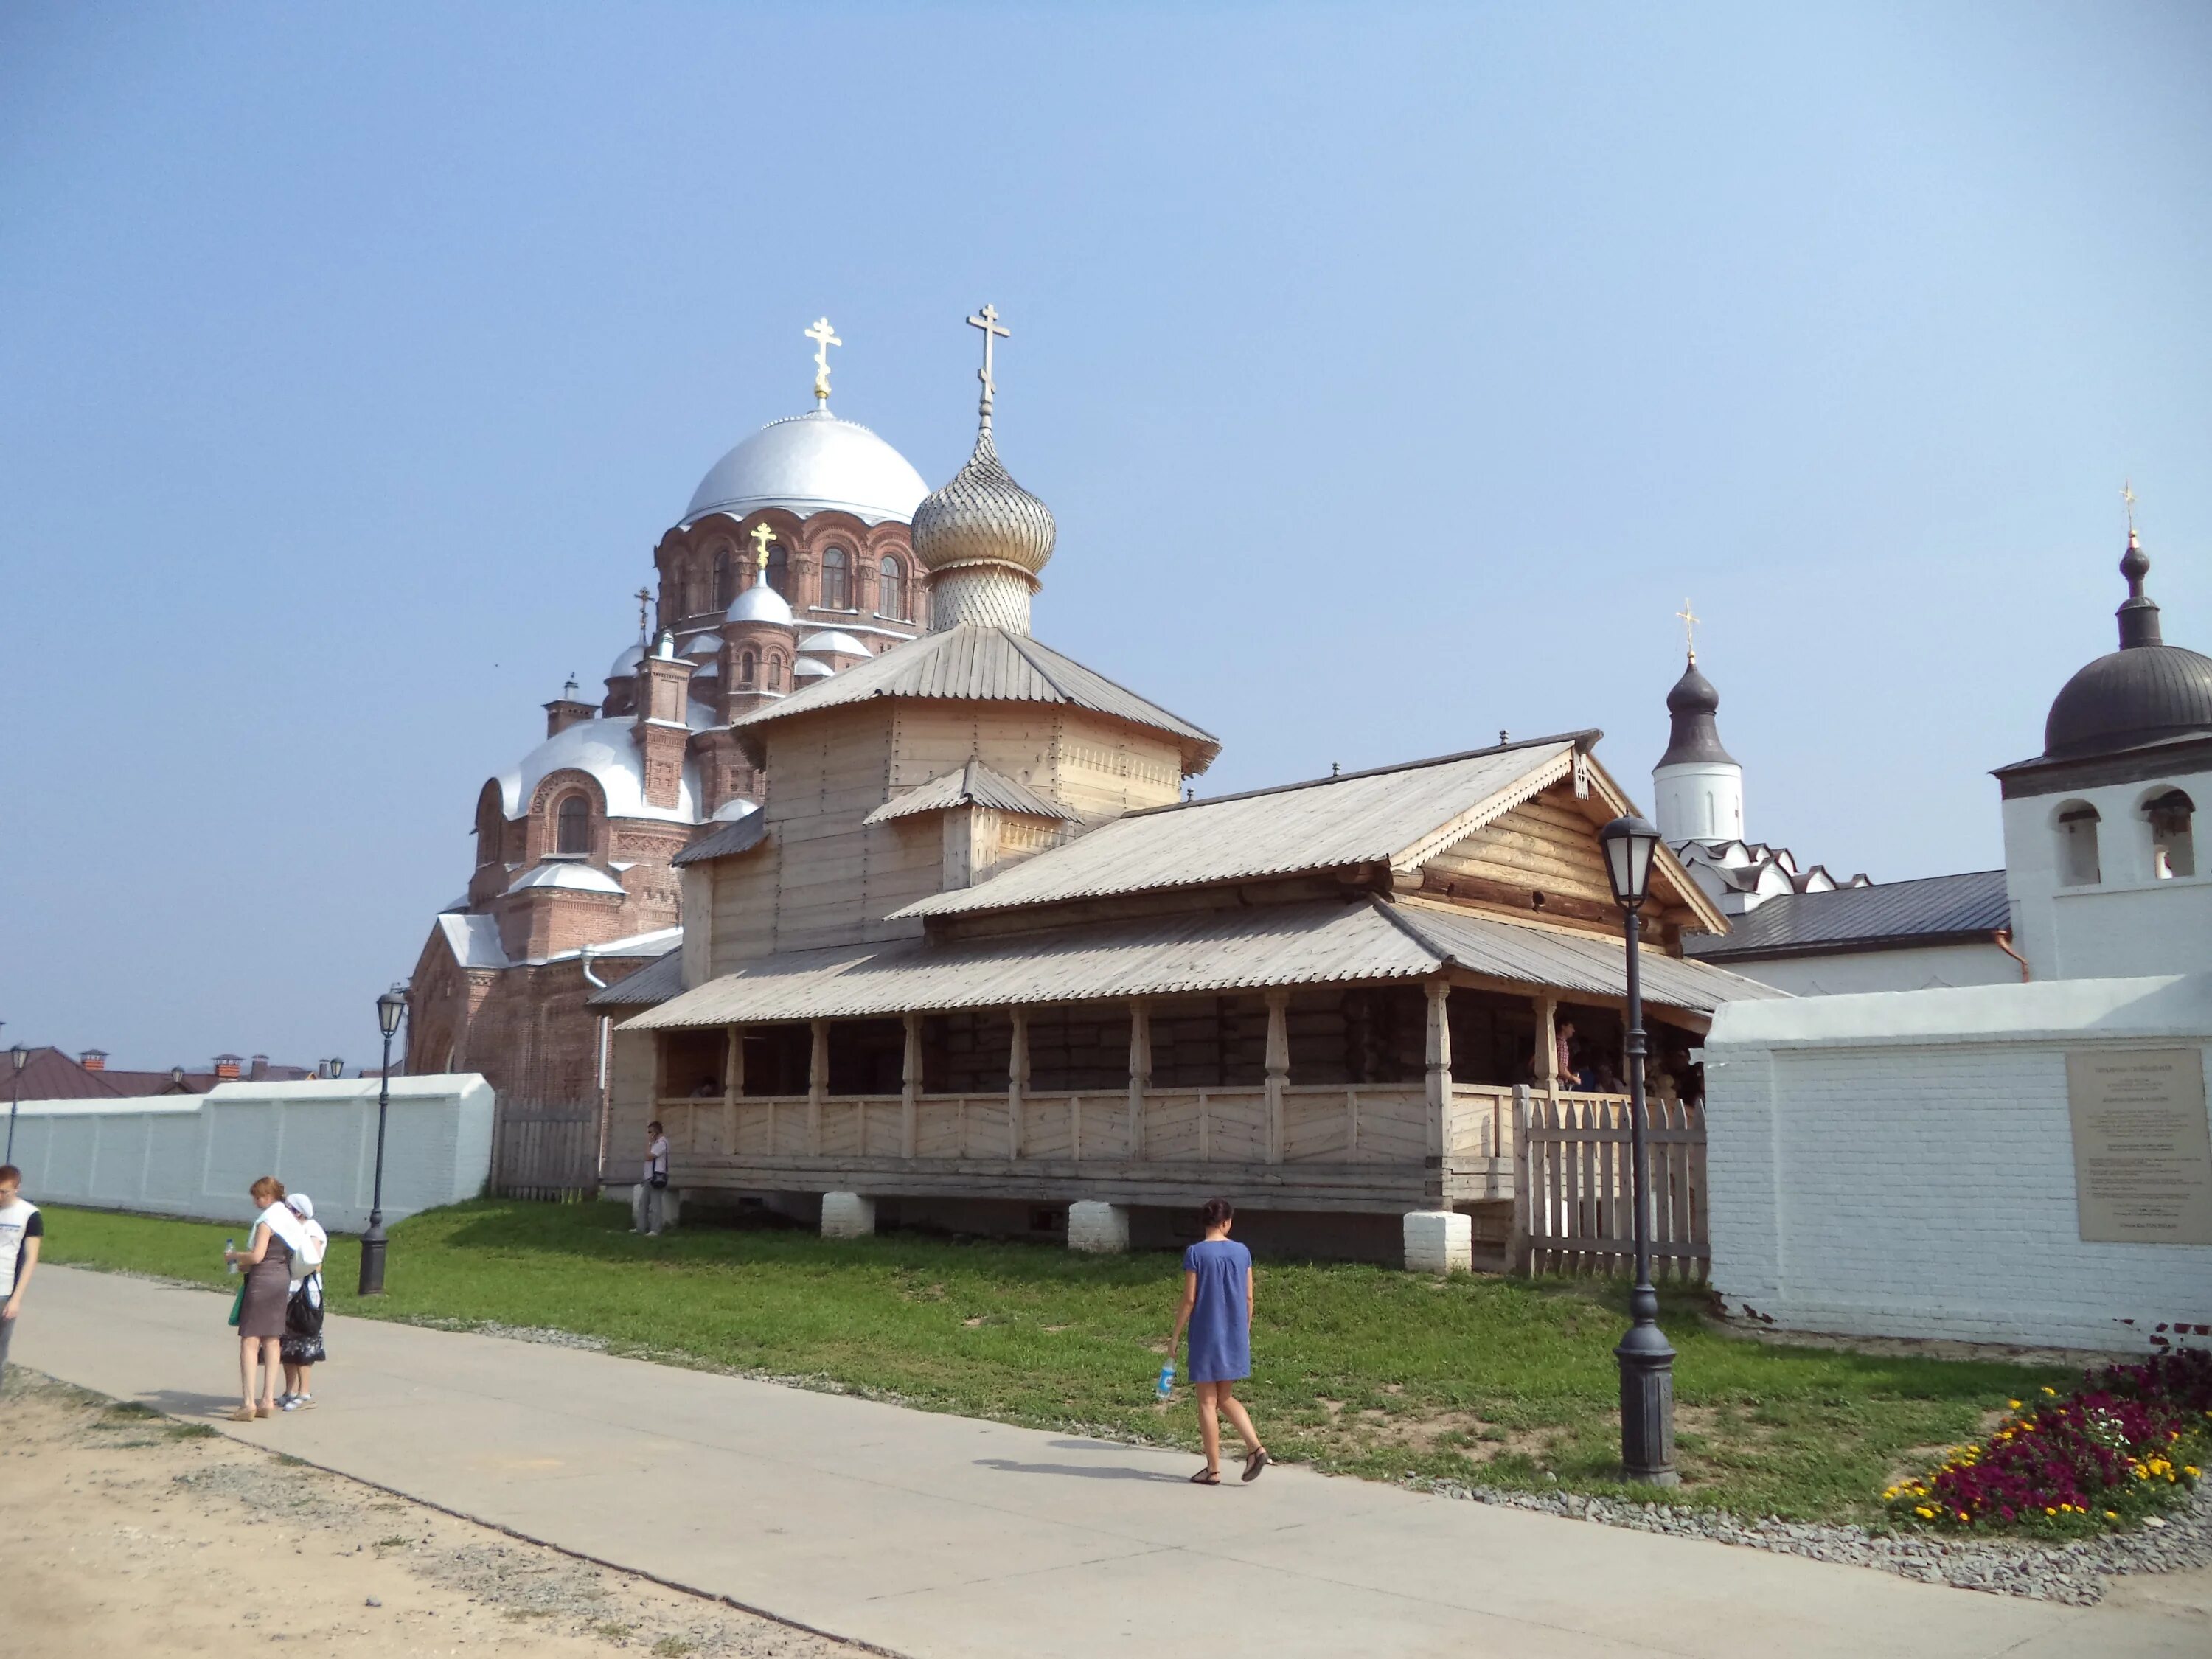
(988, 320)
(644, 597)
(824, 338)
(1689, 619)
(2127, 499)
(762, 536)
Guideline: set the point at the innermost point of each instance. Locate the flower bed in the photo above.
(2128, 1442)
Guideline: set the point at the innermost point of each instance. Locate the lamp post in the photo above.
(18, 1057)
(389, 1007)
(1645, 1356)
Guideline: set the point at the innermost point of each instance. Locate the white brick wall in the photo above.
(1903, 1164)
(1097, 1229)
(196, 1155)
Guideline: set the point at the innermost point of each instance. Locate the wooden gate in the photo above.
(1573, 1206)
(546, 1150)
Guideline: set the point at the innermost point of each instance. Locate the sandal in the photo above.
(1258, 1461)
(243, 1414)
(262, 1411)
(1207, 1478)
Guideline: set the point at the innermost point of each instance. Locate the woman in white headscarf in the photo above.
(303, 1344)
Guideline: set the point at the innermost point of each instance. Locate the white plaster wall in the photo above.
(2130, 923)
(196, 1155)
(1919, 967)
(1699, 800)
(1901, 1165)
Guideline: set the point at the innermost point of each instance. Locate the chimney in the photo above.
(260, 1068)
(565, 710)
(93, 1060)
(225, 1068)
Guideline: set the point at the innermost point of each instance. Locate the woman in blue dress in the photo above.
(1216, 1307)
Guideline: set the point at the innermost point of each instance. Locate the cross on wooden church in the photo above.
(644, 597)
(824, 338)
(988, 320)
(1689, 619)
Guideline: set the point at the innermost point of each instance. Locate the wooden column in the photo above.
(733, 1084)
(1439, 1058)
(1017, 1079)
(1279, 1068)
(1547, 1041)
(817, 1086)
(909, 1085)
(1141, 1075)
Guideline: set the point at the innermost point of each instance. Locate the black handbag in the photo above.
(303, 1316)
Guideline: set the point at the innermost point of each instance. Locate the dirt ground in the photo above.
(129, 1532)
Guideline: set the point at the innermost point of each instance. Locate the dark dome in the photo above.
(1694, 735)
(2128, 698)
(2144, 692)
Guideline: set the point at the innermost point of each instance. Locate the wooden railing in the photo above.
(1366, 1123)
(1573, 1185)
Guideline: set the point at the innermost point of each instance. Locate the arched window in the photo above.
(775, 670)
(836, 580)
(2172, 841)
(747, 666)
(779, 569)
(2078, 864)
(574, 826)
(491, 827)
(726, 585)
(891, 590)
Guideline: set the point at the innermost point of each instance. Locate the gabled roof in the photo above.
(974, 663)
(741, 836)
(1361, 818)
(474, 940)
(1315, 943)
(972, 785)
(1933, 910)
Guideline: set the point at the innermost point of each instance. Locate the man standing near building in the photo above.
(22, 1227)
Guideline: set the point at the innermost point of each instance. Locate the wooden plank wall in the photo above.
(1574, 1180)
(546, 1150)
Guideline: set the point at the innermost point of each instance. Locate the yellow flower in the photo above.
(1924, 1512)
(2015, 1404)
(2047, 1510)
(2053, 1392)
(2192, 1470)
(2111, 1515)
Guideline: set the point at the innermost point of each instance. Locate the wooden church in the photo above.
(977, 962)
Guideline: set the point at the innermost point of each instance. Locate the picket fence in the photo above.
(1574, 1210)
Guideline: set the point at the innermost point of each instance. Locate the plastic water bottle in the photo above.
(229, 1264)
(1167, 1379)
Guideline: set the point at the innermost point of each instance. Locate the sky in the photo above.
(1394, 374)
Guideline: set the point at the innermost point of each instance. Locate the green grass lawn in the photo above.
(1360, 1369)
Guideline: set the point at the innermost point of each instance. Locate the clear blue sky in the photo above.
(1394, 375)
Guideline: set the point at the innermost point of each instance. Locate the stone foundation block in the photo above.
(847, 1215)
(1439, 1241)
(1097, 1229)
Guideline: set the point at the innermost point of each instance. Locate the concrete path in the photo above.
(933, 1535)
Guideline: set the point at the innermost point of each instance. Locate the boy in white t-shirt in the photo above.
(22, 1227)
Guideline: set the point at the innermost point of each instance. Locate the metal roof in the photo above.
(972, 785)
(658, 981)
(1932, 910)
(742, 836)
(1365, 818)
(811, 463)
(1318, 942)
(975, 663)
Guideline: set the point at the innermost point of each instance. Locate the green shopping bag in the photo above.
(236, 1303)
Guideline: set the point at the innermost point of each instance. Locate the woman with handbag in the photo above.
(258, 1312)
(301, 1345)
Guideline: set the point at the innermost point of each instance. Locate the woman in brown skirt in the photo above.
(267, 1261)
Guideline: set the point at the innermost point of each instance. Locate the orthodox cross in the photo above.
(644, 597)
(1689, 619)
(823, 339)
(988, 320)
(2128, 498)
(762, 536)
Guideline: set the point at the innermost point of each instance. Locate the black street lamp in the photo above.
(389, 1007)
(1646, 1358)
(20, 1057)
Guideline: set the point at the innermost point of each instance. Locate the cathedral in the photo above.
(793, 563)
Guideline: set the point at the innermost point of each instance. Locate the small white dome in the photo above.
(733, 809)
(700, 645)
(626, 665)
(603, 750)
(832, 641)
(811, 464)
(575, 878)
(808, 669)
(760, 603)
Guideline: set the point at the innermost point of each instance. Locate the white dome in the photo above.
(701, 645)
(760, 603)
(733, 809)
(807, 669)
(626, 665)
(832, 641)
(602, 749)
(576, 878)
(811, 464)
